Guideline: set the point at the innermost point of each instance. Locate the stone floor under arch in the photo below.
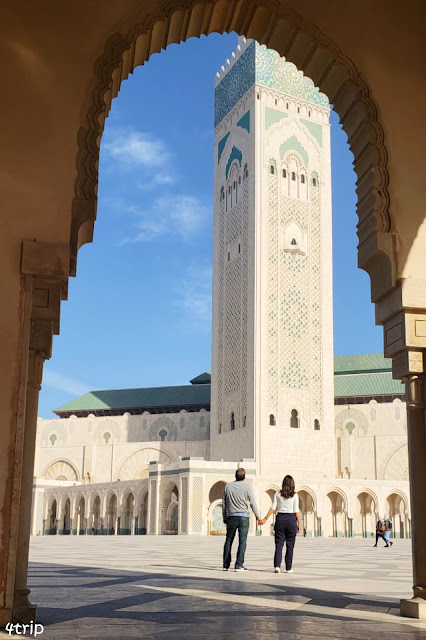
(174, 587)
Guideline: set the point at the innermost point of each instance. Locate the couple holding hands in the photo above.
(237, 497)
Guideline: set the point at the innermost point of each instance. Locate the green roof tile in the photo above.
(203, 378)
(136, 398)
(367, 362)
(366, 384)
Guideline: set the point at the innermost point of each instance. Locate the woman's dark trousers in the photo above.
(285, 531)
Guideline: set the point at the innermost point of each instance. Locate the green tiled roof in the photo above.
(366, 362)
(366, 384)
(136, 398)
(203, 378)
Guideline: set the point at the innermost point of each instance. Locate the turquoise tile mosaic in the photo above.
(258, 64)
(234, 155)
(244, 122)
(293, 143)
(221, 146)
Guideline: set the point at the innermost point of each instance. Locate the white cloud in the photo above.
(144, 152)
(180, 215)
(57, 380)
(194, 297)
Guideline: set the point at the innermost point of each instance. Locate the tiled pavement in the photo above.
(173, 588)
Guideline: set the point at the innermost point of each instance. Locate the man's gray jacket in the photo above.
(236, 498)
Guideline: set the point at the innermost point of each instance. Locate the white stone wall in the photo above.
(96, 449)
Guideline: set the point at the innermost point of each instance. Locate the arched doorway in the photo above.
(111, 514)
(51, 522)
(65, 521)
(127, 520)
(169, 509)
(367, 515)
(265, 505)
(80, 516)
(94, 524)
(336, 521)
(307, 505)
(216, 526)
(143, 514)
(398, 516)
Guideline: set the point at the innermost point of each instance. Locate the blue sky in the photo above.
(139, 310)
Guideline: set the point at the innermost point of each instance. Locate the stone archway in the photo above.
(308, 512)
(79, 518)
(111, 510)
(397, 512)
(367, 515)
(335, 524)
(51, 520)
(127, 522)
(216, 526)
(143, 513)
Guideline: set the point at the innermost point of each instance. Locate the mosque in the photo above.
(155, 460)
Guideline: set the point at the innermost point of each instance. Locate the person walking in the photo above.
(388, 529)
(380, 532)
(236, 498)
(287, 523)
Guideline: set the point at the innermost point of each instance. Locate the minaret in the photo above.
(272, 360)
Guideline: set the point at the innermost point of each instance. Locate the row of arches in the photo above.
(333, 518)
(294, 179)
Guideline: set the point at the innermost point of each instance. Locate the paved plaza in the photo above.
(174, 588)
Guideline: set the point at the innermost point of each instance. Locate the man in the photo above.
(380, 532)
(236, 498)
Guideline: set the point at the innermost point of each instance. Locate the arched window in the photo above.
(284, 173)
(106, 437)
(302, 179)
(232, 421)
(239, 248)
(294, 420)
(235, 184)
(245, 421)
(239, 179)
(219, 430)
(229, 256)
(163, 434)
(316, 425)
(258, 96)
(314, 182)
(272, 420)
(245, 174)
(272, 169)
(309, 114)
(53, 439)
(286, 105)
(298, 109)
(293, 175)
(293, 242)
(276, 101)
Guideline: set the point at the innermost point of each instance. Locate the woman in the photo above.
(287, 523)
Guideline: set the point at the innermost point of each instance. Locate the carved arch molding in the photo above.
(302, 43)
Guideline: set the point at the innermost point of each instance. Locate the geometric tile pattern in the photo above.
(197, 504)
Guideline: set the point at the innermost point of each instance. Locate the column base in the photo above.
(23, 610)
(5, 616)
(413, 608)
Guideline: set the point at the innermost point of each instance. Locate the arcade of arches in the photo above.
(59, 93)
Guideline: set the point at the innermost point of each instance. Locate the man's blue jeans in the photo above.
(234, 523)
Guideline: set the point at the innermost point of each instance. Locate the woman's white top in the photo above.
(285, 505)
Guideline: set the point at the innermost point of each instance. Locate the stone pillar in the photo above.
(416, 428)
(40, 349)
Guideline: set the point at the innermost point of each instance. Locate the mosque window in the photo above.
(276, 101)
(163, 434)
(245, 421)
(272, 169)
(298, 109)
(53, 439)
(314, 182)
(235, 184)
(286, 105)
(302, 179)
(309, 114)
(316, 425)
(239, 179)
(232, 422)
(272, 420)
(294, 419)
(219, 430)
(293, 242)
(239, 248)
(284, 173)
(229, 256)
(106, 437)
(293, 175)
(258, 96)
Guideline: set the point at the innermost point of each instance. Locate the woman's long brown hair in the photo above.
(288, 489)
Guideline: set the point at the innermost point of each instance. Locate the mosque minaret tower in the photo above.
(272, 354)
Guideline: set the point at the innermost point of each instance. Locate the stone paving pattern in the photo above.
(172, 587)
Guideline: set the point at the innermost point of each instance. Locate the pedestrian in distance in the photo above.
(380, 532)
(287, 523)
(387, 532)
(237, 497)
